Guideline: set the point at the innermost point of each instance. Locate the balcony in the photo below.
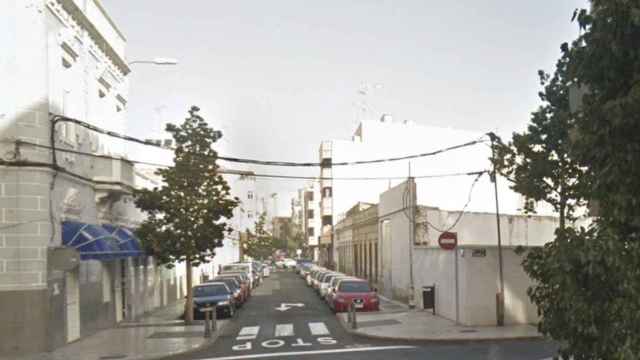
(112, 175)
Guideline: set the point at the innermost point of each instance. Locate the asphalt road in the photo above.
(305, 328)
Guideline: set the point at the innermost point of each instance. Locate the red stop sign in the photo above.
(448, 240)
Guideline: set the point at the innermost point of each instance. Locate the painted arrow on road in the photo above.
(287, 306)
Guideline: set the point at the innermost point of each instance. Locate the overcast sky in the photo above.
(280, 76)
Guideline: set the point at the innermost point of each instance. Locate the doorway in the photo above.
(72, 305)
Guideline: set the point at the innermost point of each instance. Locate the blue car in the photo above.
(213, 293)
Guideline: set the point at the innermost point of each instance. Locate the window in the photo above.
(327, 220)
(354, 286)
(249, 194)
(310, 231)
(310, 195)
(101, 93)
(250, 214)
(326, 192)
(310, 214)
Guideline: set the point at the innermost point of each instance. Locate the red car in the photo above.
(357, 291)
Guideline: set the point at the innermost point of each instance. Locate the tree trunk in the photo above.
(188, 316)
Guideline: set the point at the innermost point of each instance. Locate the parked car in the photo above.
(333, 283)
(357, 291)
(245, 268)
(324, 283)
(305, 268)
(320, 279)
(243, 279)
(280, 264)
(315, 281)
(300, 263)
(289, 263)
(234, 286)
(213, 293)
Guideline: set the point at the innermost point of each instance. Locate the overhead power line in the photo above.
(268, 162)
(250, 173)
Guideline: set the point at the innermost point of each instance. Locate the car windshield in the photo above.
(354, 287)
(210, 290)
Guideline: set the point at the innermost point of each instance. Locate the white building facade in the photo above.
(386, 138)
(69, 262)
(309, 199)
(466, 279)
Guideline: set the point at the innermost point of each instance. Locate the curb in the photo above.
(214, 337)
(457, 340)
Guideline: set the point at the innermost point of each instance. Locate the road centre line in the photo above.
(318, 328)
(284, 330)
(311, 352)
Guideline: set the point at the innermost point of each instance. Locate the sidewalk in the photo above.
(396, 321)
(154, 336)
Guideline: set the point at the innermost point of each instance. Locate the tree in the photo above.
(259, 244)
(186, 216)
(587, 281)
(538, 161)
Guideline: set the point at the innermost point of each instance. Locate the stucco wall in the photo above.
(475, 277)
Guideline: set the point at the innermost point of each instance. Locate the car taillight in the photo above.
(340, 299)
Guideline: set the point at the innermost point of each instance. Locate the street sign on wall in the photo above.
(448, 240)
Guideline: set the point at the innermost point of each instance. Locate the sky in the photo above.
(280, 76)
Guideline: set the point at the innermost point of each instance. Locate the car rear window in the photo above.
(354, 286)
(210, 290)
(231, 283)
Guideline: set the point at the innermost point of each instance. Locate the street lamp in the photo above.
(156, 61)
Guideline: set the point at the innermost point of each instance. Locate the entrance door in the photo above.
(72, 305)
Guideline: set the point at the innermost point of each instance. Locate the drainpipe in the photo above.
(412, 232)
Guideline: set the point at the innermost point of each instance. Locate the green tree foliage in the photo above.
(538, 161)
(588, 280)
(186, 216)
(259, 244)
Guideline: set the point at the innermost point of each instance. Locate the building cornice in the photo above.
(79, 21)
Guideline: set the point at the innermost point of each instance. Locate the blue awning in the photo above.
(94, 242)
(127, 240)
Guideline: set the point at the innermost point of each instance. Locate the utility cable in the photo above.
(460, 214)
(267, 162)
(258, 175)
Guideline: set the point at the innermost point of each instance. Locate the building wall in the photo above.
(59, 64)
(379, 140)
(466, 278)
(311, 203)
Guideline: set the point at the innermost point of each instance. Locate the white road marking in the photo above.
(318, 328)
(311, 352)
(287, 306)
(248, 333)
(284, 330)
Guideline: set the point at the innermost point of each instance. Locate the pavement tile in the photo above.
(156, 335)
(414, 324)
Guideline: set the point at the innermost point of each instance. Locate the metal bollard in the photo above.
(207, 324)
(354, 321)
(214, 318)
